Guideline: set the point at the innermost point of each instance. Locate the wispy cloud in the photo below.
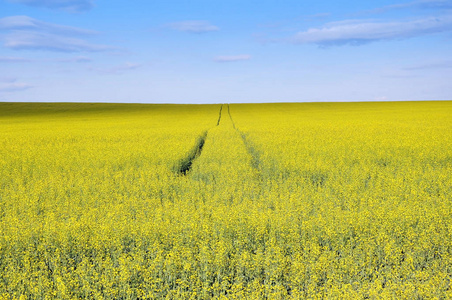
(13, 59)
(319, 16)
(193, 26)
(7, 79)
(30, 24)
(357, 32)
(27, 33)
(431, 65)
(289, 23)
(124, 68)
(51, 42)
(232, 58)
(420, 4)
(78, 59)
(118, 69)
(66, 5)
(435, 4)
(381, 98)
(11, 85)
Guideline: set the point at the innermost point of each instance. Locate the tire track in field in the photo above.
(183, 166)
(250, 148)
(219, 117)
(229, 113)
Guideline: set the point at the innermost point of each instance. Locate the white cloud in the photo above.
(27, 33)
(193, 26)
(356, 32)
(232, 58)
(67, 5)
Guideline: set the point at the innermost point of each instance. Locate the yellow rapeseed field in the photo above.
(240, 201)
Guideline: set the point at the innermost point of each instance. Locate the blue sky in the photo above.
(225, 51)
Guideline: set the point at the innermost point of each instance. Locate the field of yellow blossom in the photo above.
(239, 201)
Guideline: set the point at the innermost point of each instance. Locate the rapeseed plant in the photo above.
(344, 200)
